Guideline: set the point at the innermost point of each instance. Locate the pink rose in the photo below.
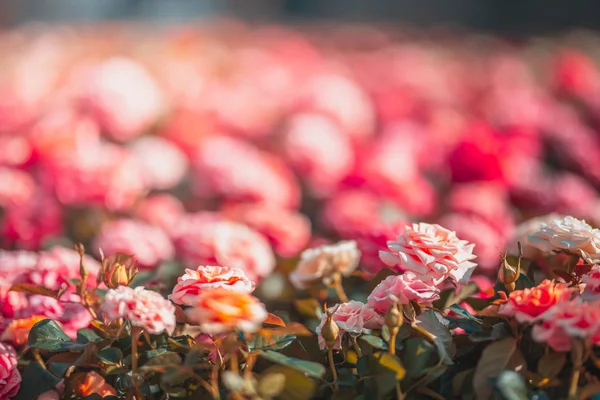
(287, 231)
(353, 318)
(240, 172)
(321, 263)
(143, 308)
(161, 210)
(481, 233)
(10, 378)
(59, 265)
(193, 282)
(401, 289)
(309, 141)
(123, 97)
(149, 244)
(30, 223)
(206, 239)
(163, 164)
(95, 173)
(432, 253)
(16, 186)
(568, 320)
(591, 280)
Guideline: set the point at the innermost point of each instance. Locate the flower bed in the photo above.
(264, 213)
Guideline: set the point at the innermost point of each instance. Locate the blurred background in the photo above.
(243, 132)
(512, 17)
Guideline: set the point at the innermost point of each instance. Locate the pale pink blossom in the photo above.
(28, 224)
(95, 174)
(567, 321)
(207, 239)
(526, 228)
(432, 253)
(287, 231)
(238, 171)
(353, 318)
(16, 186)
(149, 244)
(225, 311)
(193, 282)
(60, 265)
(10, 378)
(163, 164)
(401, 289)
(591, 282)
(321, 263)
(161, 210)
(143, 308)
(123, 97)
(309, 142)
(570, 234)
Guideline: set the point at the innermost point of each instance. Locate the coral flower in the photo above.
(94, 383)
(224, 311)
(529, 305)
(17, 331)
(193, 282)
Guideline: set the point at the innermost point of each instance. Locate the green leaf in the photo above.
(47, 335)
(259, 342)
(449, 297)
(497, 357)
(551, 364)
(87, 335)
(380, 371)
(271, 385)
(511, 386)
(310, 368)
(417, 357)
(168, 358)
(35, 381)
(297, 385)
(437, 326)
(375, 341)
(111, 355)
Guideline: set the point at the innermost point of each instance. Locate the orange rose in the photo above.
(17, 331)
(95, 383)
(529, 305)
(220, 310)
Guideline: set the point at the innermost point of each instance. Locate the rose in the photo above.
(432, 253)
(224, 311)
(10, 378)
(353, 318)
(569, 234)
(193, 282)
(569, 320)
(401, 289)
(322, 263)
(143, 308)
(148, 243)
(529, 305)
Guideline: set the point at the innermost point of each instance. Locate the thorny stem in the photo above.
(339, 289)
(399, 394)
(332, 367)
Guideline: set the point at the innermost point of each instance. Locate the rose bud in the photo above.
(119, 270)
(508, 274)
(330, 330)
(393, 318)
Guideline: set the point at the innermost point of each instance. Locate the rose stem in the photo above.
(332, 367)
(135, 335)
(339, 289)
